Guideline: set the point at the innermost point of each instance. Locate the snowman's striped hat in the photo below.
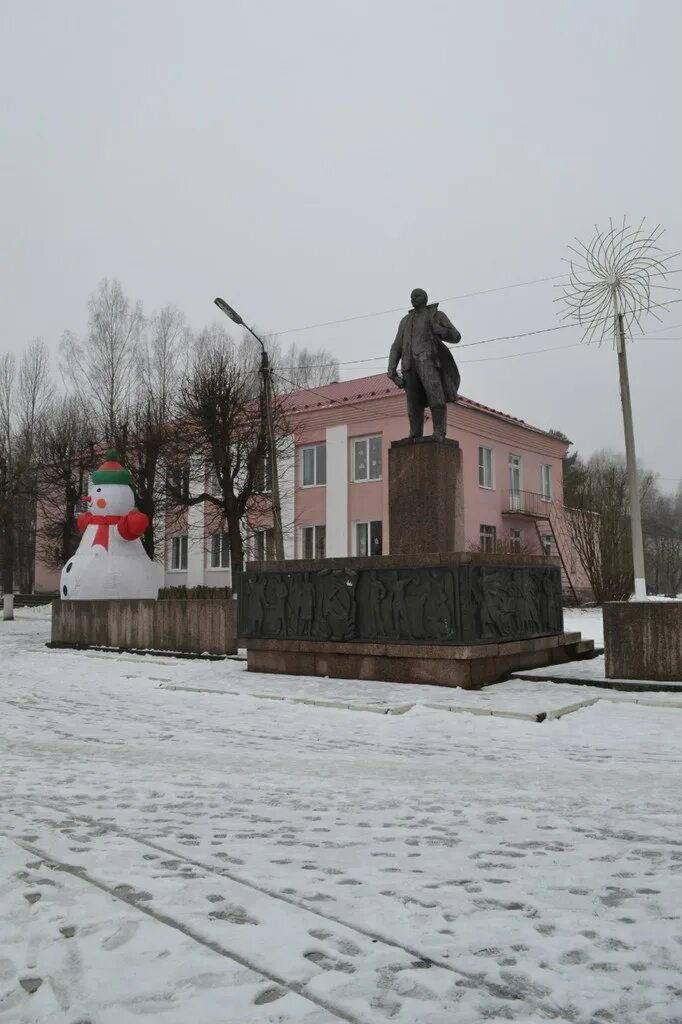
(111, 471)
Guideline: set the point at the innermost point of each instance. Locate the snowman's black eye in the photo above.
(99, 489)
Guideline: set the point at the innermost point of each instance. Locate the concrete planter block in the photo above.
(183, 627)
(643, 640)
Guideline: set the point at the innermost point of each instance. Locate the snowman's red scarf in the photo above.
(102, 523)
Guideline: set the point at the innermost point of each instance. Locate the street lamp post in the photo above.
(266, 409)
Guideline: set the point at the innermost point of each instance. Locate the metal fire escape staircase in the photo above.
(555, 515)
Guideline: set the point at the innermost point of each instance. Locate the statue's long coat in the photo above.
(442, 330)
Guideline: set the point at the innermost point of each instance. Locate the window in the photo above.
(263, 477)
(263, 545)
(487, 537)
(367, 459)
(515, 542)
(515, 483)
(314, 459)
(546, 483)
(179, 553)
(313, 541)
(369, 538)
(212, 482)
(220, 551)
(178, 482)
(547, 546)
(485, 467)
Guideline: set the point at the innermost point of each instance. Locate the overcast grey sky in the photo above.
(314, 160)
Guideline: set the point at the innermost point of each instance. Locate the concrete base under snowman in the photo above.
(111, 562)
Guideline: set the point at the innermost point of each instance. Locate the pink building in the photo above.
(512, 474)
(334, 490)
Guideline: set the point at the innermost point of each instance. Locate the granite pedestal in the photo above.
(425, 496)
(463, 619)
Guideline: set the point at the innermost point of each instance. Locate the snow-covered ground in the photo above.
(179, 855)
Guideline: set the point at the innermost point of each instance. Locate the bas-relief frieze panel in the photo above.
(463, 604)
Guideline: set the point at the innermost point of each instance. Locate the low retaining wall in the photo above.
(186, 627)
(643, 640)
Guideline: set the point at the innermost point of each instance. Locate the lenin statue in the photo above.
(429, 373)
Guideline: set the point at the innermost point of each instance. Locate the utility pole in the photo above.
(630, 457)
(268, 427)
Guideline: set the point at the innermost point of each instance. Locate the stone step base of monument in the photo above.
(434, 665)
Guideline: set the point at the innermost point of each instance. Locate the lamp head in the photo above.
(228, 311)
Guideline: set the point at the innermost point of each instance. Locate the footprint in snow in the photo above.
(122, 935)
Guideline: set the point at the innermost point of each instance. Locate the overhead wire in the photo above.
(451, 298)
(398, 309)
(483, 341)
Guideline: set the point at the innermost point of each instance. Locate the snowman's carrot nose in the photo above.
(101, 503)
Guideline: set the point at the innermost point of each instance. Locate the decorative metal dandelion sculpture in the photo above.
(610, 288)
(617, 274)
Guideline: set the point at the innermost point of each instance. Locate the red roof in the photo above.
(362, 389)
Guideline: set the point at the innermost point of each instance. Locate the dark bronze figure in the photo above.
(429, 373)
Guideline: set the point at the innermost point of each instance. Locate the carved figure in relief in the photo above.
(377, 595)
(548, 593)
(281, 595)
(401, 620)
(257, 603)
(438, 621)
(307, 607)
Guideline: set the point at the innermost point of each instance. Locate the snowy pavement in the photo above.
(182, 855)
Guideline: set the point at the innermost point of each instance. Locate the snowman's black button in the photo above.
(64, 591)
(68, 568)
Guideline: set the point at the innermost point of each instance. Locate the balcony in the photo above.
(527, 503)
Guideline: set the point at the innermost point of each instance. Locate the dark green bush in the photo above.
(195, 594)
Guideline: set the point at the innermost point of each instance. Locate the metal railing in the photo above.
(527, 503)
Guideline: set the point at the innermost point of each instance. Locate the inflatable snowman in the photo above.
(110, 562)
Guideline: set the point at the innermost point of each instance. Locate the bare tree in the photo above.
(662, 523)
(106, 364)
(221, 424)
(66, 449)
(599, 524)
(141, 438)
(167, 343)
(302, 368)
(23, 397)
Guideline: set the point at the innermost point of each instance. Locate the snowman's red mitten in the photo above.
(133, 525)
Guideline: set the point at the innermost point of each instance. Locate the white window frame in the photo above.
(487, 536)
(547, 540)
(481, 467)
(212, 485)
(315, 527)
(546, 495)
(366, 442)
(264, 472)
(268, 534)
(367, 523)
(515, 540)
(315, 448)
(223, 552)
(179, 479)
(515, 499)
(179, 545)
